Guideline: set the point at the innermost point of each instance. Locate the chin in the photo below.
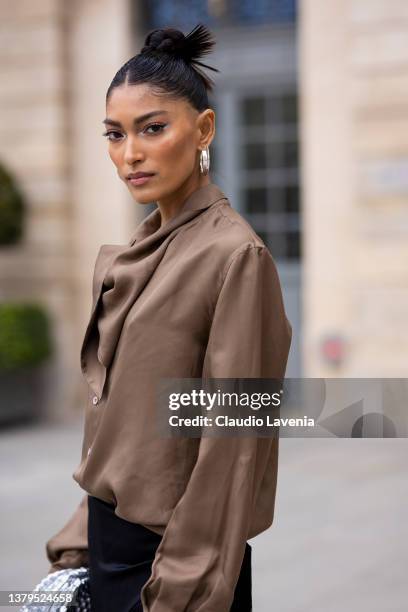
(143, 196)
(140, 199)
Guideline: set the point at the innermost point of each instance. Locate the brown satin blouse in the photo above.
(196, 297)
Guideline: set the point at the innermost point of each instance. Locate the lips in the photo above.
(139, 178)
(137, 175)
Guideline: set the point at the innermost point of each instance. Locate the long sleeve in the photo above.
(230, 495)
(69, 547)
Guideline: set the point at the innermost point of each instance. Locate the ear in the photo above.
(206, 128)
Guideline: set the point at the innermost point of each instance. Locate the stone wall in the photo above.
(57, 59)
(354, 92)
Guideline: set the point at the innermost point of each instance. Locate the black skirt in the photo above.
(121, 554)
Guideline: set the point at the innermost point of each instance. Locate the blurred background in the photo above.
(311, 147)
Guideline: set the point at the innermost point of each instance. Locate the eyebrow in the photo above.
(137, 120)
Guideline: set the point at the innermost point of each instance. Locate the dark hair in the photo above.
(168, 61)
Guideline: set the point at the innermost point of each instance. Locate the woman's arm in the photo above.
(230, 495)
(69, 547)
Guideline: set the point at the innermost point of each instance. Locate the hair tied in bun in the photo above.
(166, 40)
(190, 47)
(170, 61)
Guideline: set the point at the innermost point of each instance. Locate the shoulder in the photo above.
(227, 233)
(219, 238)
(233, 242)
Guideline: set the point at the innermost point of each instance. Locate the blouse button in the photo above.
(95, 400)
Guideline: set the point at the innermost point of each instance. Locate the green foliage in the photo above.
(24, 335)
(11, 209)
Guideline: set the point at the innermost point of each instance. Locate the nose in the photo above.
(133, 151)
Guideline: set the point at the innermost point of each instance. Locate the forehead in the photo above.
(135, 100)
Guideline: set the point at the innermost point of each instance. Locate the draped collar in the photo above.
(122, 271)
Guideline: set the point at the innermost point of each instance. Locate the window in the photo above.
(269, 169)
(186, 14)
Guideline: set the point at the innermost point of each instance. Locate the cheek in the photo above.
(175, 147)
(114, 154)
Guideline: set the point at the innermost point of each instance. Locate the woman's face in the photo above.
(166, 143)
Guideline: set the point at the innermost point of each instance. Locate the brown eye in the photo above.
(112, 134)
(160, 127)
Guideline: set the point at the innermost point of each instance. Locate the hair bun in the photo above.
(190, 48)
(167, 40)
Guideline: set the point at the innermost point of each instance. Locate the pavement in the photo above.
(338, 542)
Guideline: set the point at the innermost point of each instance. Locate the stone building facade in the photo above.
(354, 96)
(57, 59)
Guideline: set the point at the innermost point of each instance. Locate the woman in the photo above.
(164, 522)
